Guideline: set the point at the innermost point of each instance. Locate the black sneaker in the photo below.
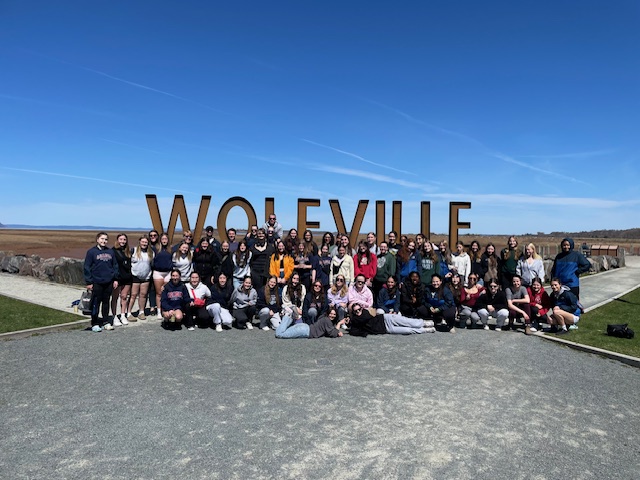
(562, 332)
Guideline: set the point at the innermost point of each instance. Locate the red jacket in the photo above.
(361, 267)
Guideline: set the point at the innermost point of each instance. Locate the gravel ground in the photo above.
(142, 402)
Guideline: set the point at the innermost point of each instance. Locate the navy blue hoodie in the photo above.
(100, 266)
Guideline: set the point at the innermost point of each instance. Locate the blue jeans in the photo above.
(284, 330)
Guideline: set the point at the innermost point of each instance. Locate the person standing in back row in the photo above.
(100, 273)
(569, 265)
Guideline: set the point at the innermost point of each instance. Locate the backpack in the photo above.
(620, 331)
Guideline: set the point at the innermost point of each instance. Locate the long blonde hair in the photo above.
(138, 251)
(535, 252)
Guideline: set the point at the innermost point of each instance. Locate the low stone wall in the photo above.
(64, 270)
(69, 271)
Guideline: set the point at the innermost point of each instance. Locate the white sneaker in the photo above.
(265, 328)
(191, 329)
(159, 315)
(249, 326)
(96, 328)
(453, 330)
(117, 322)
(107, 326)
(430, 330)
(533, 329)
(498, 329)
(124, 320)
(218, 328)
(486, 327)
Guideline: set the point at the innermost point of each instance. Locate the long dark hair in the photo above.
(268, 292)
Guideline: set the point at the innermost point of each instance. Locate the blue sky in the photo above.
(528, 110)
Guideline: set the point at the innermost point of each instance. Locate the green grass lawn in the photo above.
(593, 325)
(19, 315)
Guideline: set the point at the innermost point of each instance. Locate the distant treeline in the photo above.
(629, 234)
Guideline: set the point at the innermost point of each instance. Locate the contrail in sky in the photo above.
(358, 157)
(65, 175)
(129, 82)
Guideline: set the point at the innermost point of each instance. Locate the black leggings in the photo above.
(243, 315)
(101, 302)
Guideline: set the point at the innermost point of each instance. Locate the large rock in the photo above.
(26, 269)
(12, 264)
(60, 270)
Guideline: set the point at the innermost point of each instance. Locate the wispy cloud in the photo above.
(484, 148)
(369, 176)
(130, 146)
(357, 157)
(499, 200)
(79, 177)
(594, 153)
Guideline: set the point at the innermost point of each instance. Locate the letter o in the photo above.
(224, 212)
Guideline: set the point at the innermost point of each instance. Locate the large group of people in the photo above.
(292, 285)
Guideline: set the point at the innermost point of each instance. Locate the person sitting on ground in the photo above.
(518, 303)
(412, 297)
(440, 304)
(174, 299)
(243, 301)
(360, 294)
(199, 294)
(530, 265)
(389, 297)
(569, 265)
(293, 296)
(539, 302)
(219, 304)
(338, 296)
(269, 304)
(469, 302)
(565, 311)
(456, 287)
(493, 303)
(363, 323)
(100, 273)
(315, 303)
(365, 263)
(324, 327)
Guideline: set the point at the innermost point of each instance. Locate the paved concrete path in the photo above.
(141, 402)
